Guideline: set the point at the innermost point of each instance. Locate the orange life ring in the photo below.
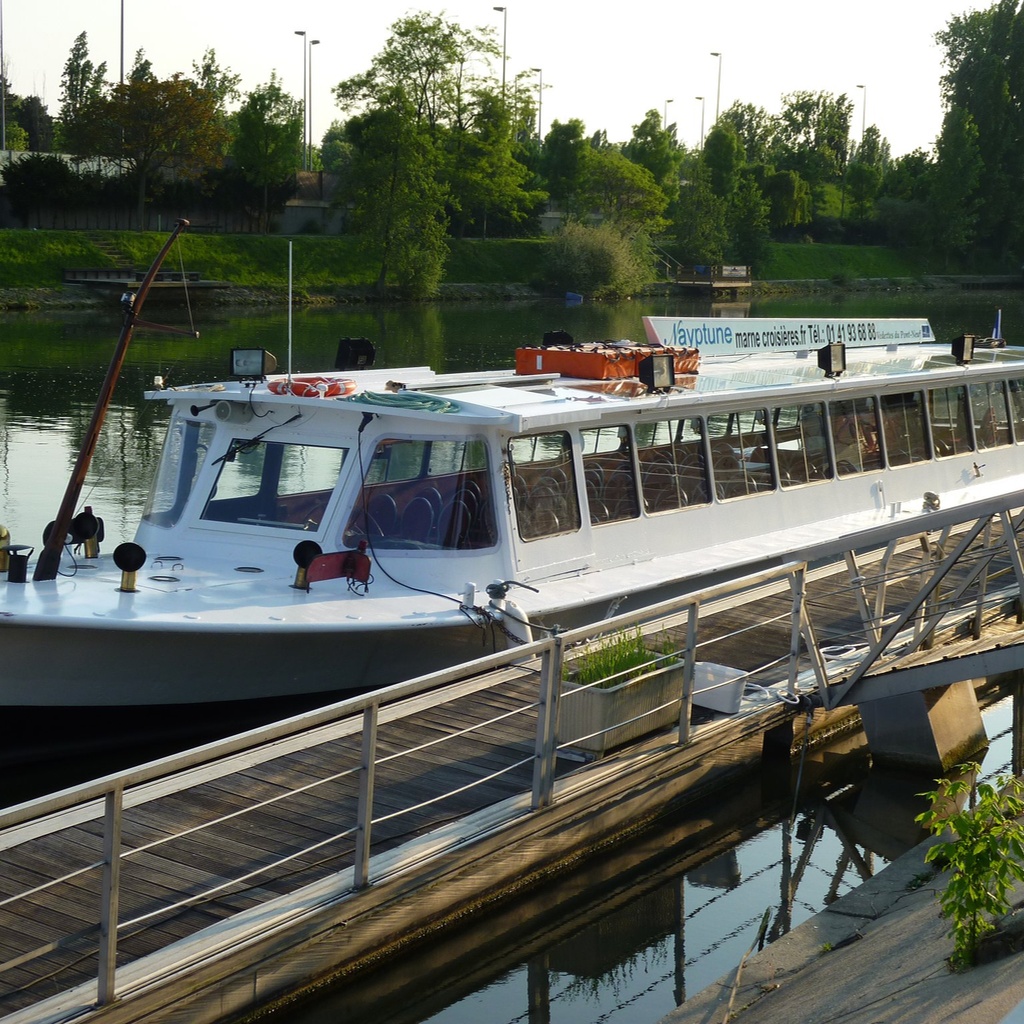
(312, 387)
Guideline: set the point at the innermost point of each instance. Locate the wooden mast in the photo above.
(49, 557)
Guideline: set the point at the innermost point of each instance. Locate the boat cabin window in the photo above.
(543, 485)
(425, 493)
(904, 431)
(800, 444)
(740, 460)
(1017, 407)
(608, 474)
(990, 413)
(267, 483)
(855, 434)
(951, 432)
(673, 470)
(184, 452)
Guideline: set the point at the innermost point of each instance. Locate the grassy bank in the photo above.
(325, 265)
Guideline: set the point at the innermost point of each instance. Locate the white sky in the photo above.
(606, 65)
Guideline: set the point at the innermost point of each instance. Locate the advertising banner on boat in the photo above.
(718, 335)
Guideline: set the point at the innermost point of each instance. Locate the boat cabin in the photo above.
(503, 475)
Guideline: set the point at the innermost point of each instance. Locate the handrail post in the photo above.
(689, 667)
(364, 812)
(546, 749)
(798, 620)
(106, 970)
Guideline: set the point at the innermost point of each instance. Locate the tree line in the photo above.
(433, 144)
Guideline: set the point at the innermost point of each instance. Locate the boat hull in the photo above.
(58, 665)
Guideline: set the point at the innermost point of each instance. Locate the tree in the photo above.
(624, 192)
(40, 182)
(398, 202)
(154, 126)
(755, 127)
(984, 57)
(81, 83)
(953, 196)
(484, 177)
(219, 83)
(563, 160)
(748, 223)
(654, 148)
(142, 68)
(723, 156)
(789, 199)
(812, 138)
(863, 181)
(268, 140)
(699, 219)
(420, 102)
(426, 59)
(336, 150)
(31, 115)
(874, 150)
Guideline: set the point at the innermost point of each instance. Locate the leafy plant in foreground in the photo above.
(984, 855)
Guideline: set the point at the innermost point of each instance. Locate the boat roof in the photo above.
(522, 402)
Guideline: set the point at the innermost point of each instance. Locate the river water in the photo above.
(626, 938)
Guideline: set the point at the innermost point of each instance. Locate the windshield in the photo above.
(268, 483)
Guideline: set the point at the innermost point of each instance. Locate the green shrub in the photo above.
(984, 856)
(598, 260)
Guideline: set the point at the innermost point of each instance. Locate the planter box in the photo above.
(585, 710)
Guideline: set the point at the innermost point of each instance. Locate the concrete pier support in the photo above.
(929, 731)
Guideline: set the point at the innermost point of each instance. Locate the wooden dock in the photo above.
(213, 881)
(719, 281)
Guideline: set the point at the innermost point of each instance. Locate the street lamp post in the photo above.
(863, 112)
(503, 11)
(302, 33)
(540, 103)
(664, 120)
(122, 42)
(718, 94)
(3, 85)
(701, 98)
(309, 162)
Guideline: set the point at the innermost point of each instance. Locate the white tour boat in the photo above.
(307, 535)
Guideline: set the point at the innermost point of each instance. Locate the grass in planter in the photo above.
(617, 659)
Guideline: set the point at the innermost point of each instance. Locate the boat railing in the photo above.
(340, 800)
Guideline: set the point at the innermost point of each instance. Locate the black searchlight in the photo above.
(963, 348)
(832, 359)
(253, 363)
(355, 354)
(658, 372)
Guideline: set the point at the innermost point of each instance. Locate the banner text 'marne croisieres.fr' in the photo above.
(715, 335)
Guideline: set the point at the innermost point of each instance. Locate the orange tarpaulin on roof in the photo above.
(600, 362)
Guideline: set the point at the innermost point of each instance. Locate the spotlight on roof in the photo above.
(832, 359)
(253, 363)
(658, 372)
(963, 348)
(355, 354)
